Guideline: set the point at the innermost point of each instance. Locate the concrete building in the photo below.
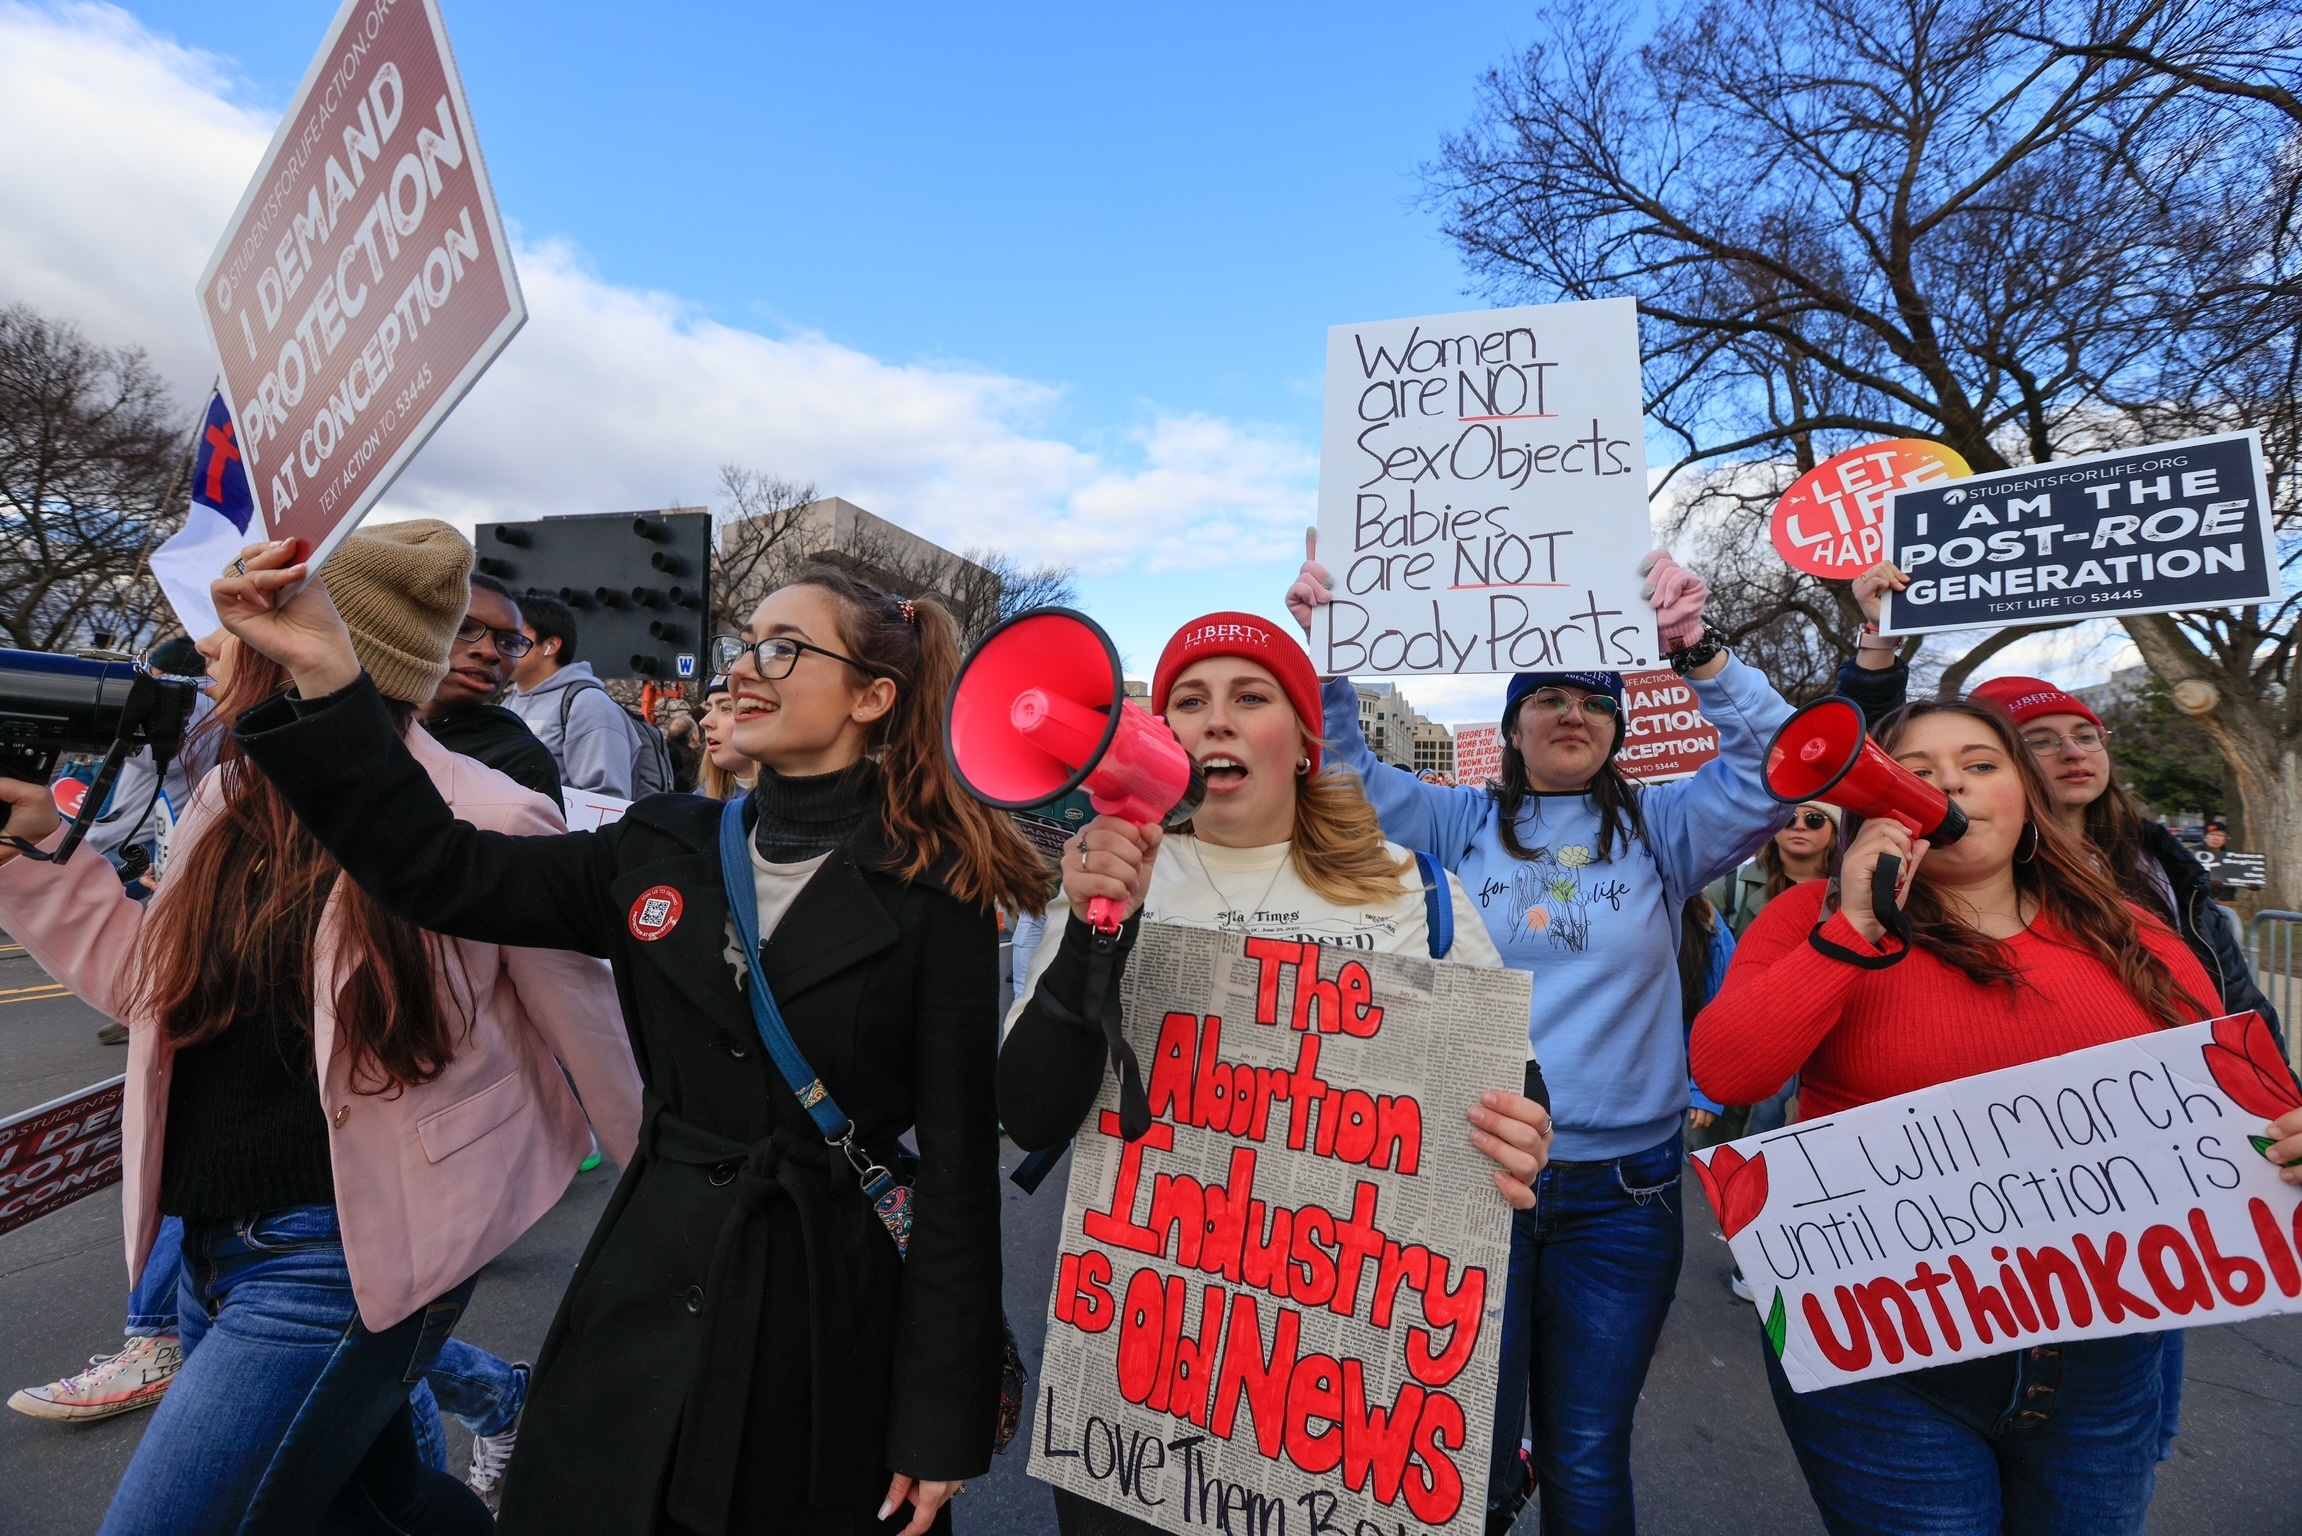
(1396, 733)
(1434, 748)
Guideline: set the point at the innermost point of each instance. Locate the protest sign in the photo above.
(2117, 1189)
(364, 282)
(59, 1152)
(1281, 1306)
(1483, 493)
(1664, 733)
(1478, 754)
(2230, 867)
(1832, 521)
(587, 812)
(2147, 530)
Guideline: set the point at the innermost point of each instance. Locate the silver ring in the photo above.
(1083, 852)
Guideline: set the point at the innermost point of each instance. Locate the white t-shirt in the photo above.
(1256, 891)
(777, 887)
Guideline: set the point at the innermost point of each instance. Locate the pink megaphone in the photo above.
(1040, 709)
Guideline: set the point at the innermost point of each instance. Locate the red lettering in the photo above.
(1092, 1308)
(1271, 957)
(1409, 1265)
(2239, 1279)
(1211, 1092)
(1264, 1265)
(1355, 1135)
(1314, 1278)
(2046, 1268)
(1247, 1372)
(1376, 1440)
(1456, 1310)
(1983, 1302)
(2150, 1256)
(1437, 1492)
(1361, 1016)
(1306, 1089)
(1357, 1241)
(1931, 1280)
(1170, 1087)
(2274, 1249)
(1315, 1391)
(1873, 1297)
(2024, 1312)
(1226, 1223)
(1316, 995)
(1398, 1133)
(1178, 1216)
(1142, 1318)
(1116, 1227)
(1854, 1354)
(2102, 1274)
(1192, 1374)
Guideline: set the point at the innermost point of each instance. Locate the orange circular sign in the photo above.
(70, 794)
(1832, 521)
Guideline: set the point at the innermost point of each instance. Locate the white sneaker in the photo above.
(1741, 1287)
(113, 1384)
(490, 1455)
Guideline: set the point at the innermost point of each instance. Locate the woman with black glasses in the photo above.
(744, 1347)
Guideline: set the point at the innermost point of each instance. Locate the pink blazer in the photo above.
(433, 1182)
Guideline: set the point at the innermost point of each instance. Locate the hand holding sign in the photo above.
(276, 607)
(1874, 583)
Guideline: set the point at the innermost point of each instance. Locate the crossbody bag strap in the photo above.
(889, 1198)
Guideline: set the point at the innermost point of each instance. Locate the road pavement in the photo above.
(1709, 1455)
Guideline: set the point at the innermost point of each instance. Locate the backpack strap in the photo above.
(889, 1198)
(1438, 905)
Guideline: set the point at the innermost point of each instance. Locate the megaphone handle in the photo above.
(1106, 915)
(1884, 879)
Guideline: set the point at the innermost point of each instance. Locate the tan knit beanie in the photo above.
(403, 589)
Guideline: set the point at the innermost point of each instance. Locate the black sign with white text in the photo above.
(2148, 530)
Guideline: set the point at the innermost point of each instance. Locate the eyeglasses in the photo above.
(775, 656)
(510, 643)
(1813, 821)
(1595, 706)
(2046, 743)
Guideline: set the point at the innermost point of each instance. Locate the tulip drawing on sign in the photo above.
(1736, 1186)
(2244, 1062)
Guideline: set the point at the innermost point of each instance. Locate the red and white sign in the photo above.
(1478, 754)
(69, 795)
(2119, 1189)
(364, 283)
(1664, 733)
(587, 812)
(59, 1152)
(1832, 521)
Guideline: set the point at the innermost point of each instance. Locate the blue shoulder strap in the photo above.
(1438, 905)
(887, 1196)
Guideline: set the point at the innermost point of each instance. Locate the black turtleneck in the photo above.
(799, 818)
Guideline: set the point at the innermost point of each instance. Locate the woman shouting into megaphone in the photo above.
(1282, 846)
(772, 1329)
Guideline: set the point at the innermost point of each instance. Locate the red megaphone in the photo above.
(1824, 753)
(1041, 709)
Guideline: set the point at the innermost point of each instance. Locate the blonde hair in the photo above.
(716, 783)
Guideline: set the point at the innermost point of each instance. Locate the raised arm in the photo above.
(1705, 826)
(1439, 819)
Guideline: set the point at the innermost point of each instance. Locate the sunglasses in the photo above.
(510, 643)
(1813, 821)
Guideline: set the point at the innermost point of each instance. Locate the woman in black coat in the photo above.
(741, 1349)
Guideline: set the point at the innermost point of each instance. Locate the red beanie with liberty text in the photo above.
(1248, 637)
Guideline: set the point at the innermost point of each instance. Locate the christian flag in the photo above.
(216, 528)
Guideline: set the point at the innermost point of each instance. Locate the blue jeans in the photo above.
(152, 1302)
(1593, 1267)
(2055, 1440)
(487, 1394)
(289, 1415)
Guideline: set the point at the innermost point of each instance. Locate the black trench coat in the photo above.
(740, 1349)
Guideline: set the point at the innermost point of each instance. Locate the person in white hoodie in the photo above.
(564, 703)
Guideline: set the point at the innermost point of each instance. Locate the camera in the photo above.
(51, 704)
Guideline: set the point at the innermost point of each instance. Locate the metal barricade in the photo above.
(2274, 949)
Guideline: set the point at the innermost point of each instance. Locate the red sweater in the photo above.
(1856, 1036)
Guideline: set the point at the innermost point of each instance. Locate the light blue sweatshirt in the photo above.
(1599, 938)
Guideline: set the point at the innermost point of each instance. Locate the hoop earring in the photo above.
(1302, 767)
(2031, 852)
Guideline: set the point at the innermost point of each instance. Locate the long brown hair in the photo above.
(232, 928)
(2114, 827)
(1613, 796)
(2060, 879)
(924, 813)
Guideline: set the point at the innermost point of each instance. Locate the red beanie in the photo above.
(2026, 698)
(1246, 636)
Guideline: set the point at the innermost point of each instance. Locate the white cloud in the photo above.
(129, 152)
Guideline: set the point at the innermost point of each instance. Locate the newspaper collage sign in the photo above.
(1281, 1308)
(2117, 1189)
(1483, 494)
(364, 283)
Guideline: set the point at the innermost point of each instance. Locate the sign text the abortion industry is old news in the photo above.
(1278, 1310)
(1483, 493)
(2150, 530)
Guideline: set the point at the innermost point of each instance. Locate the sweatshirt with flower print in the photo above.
(1599, 936)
